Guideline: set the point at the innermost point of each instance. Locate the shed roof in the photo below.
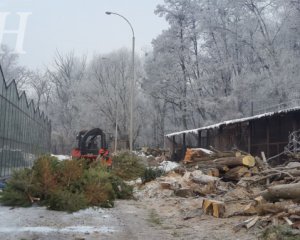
(233, 121)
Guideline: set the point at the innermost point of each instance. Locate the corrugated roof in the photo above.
(240, 120)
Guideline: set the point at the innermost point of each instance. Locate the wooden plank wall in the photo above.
(269, 134)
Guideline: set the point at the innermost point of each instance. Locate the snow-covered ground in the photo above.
(127, 220)
(168, 166)
(24, 223)
(61, 157)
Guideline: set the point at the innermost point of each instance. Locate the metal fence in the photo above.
(24, 130)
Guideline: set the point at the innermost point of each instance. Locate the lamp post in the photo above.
(132, 83)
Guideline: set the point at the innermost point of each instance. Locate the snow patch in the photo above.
(142, 154)
(168, 166)
(70, 229)
(204, 150)
(134, 182)
(61, 157)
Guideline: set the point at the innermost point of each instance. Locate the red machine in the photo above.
(91, 144)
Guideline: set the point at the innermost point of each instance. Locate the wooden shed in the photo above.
(266, 133)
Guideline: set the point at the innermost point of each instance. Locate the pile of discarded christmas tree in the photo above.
(71, 185)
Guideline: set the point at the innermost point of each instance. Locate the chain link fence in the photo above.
(24, 130)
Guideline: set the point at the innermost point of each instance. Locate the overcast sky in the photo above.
(82, 26)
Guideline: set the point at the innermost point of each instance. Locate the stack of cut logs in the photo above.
(231, 165)
(278, 202)
(274, 192)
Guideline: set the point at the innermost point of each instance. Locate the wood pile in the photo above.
(269, 195)
(275, 201)
(234, 183)
(231, 165)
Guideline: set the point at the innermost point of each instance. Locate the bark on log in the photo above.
(236, 161)
(202, 159)
(236, 173)
(266, 208)
(196, 153)
(284, 191)
(205, 179)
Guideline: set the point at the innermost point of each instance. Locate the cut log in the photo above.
(220, 154)
(188, 156)
(283, 191)
(214, 172)
(184, 192)
(254, 170)
(250, 209)
(207, 207)
(202, 159)
(204, 179)
(238, 154)
(259, 200)
(225, 168)
(218, 209)
(248, 161)
(213, 207)
(204, 189)
(165, 185)
(294, 211)
(192, 153)
(273, 208)
(236, 173)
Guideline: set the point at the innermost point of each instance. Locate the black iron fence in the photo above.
(24, 130)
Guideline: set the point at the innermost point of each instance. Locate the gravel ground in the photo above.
(125, 221)
(147, 219)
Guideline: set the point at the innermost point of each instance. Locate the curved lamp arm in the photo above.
(110, 13)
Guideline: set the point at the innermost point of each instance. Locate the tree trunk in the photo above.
(284, 191)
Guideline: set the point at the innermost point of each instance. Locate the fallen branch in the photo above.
(247, 223)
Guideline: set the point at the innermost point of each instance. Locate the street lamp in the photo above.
(132, 83)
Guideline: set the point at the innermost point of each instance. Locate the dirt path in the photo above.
(128, 220)
(147, 219)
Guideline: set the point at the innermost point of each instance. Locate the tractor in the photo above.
(91, 145)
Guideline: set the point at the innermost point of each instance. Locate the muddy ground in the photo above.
(169, 218)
